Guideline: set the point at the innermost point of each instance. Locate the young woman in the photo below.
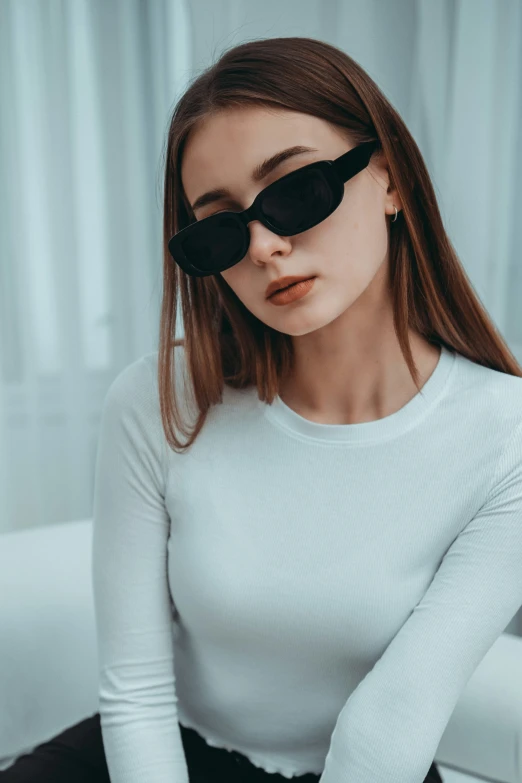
(302, 589)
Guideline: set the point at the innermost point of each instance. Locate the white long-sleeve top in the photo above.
(314, 596)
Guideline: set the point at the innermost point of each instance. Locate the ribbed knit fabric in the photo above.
(314, 596)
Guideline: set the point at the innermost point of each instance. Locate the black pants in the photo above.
(77, 756)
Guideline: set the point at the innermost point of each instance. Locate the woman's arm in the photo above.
(391, 726)
(132, 603)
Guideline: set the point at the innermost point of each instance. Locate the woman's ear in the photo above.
(382, 174)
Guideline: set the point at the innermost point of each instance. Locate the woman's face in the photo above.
(344, 252)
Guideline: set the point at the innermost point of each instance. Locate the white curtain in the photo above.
(86, 89)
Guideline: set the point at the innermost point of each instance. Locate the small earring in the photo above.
(395, 218)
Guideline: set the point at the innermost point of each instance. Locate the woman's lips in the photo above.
(292, 293)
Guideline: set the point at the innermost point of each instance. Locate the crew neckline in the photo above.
(280, 414)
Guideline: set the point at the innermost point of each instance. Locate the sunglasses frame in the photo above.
(336, 172)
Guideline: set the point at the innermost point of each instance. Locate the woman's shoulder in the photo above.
(494, 396)
(140, 377)
(134, 381)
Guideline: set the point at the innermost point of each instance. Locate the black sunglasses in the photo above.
(290, 205)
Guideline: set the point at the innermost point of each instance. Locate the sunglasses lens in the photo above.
(290, 206)
(211, 245)
(298, 203)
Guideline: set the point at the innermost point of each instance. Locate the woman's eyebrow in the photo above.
(260, 172)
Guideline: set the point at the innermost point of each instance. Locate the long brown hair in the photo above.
(431, 293)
